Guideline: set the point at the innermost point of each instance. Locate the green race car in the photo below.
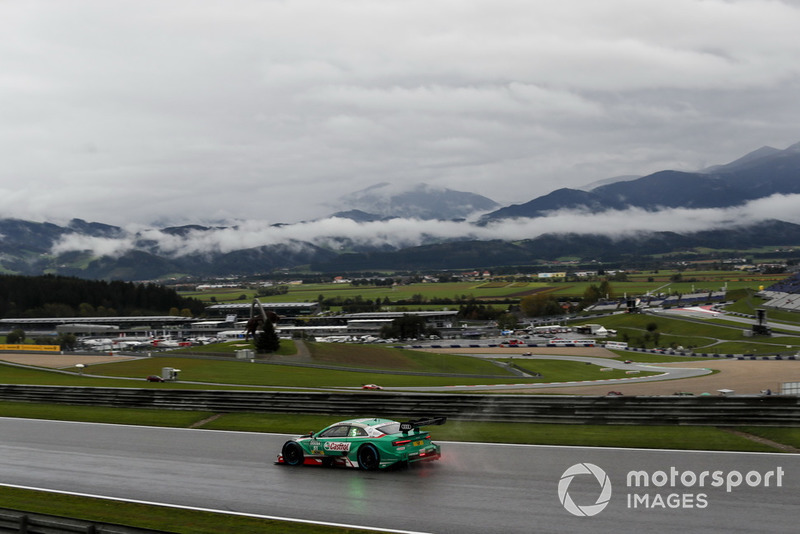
(364, 443)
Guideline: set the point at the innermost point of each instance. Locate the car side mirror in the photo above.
(310, 434)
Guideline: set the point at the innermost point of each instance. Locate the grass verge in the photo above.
(161, 518)
(670, 437)
(787, 436)
(103, 414)
(646, 437)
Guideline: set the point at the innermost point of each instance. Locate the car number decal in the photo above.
(418, 443)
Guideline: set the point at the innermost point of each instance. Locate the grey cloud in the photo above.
(192, 111)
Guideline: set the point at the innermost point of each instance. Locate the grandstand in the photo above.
(784, 295)
(693, 299)
(607, 306)
(672, 301)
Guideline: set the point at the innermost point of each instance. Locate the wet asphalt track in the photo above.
(476, 488)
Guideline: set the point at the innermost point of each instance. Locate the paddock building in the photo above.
(88, 326)
(287, 310)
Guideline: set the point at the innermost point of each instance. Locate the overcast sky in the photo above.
(191, 111)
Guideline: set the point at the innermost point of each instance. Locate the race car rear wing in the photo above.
(408, 426)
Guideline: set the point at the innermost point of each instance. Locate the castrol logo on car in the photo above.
(337, 446)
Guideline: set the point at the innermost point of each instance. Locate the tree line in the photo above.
(61, 296)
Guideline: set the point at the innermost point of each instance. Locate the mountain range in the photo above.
(382, 217)
(762, 173)
(419, 201)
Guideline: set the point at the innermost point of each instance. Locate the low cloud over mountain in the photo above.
(763, 186)
(343, 234)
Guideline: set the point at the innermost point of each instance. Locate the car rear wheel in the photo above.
(368, 458)
(292, 453)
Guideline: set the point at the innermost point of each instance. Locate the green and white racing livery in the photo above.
(368, 444)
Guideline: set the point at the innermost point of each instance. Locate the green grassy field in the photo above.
(246, 373)
(638, 283)
(390, 358)
(700, 336)
(363, 359)
(254, 374)
(287, 346)
(788, 436)
(312, 292)
(47, 377)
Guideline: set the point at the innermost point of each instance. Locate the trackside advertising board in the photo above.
(40, 348)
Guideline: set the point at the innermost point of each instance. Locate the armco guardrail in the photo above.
(16, 521)
(771, 410)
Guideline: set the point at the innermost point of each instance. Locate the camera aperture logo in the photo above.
(586, 510)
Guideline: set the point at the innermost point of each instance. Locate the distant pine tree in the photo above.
(267, 341)
(63, 296)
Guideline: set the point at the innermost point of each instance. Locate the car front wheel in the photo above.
(292, 453)
(369, 458)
